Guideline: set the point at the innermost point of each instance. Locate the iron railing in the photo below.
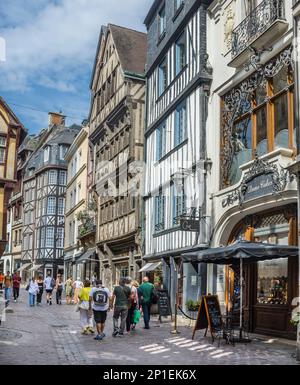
(255, 24)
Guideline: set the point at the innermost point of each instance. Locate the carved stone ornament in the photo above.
(277, 181)
(228, 17)
(237, 97)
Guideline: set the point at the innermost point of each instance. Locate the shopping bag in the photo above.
(136, 316)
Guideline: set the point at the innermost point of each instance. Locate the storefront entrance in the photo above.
(270, 285)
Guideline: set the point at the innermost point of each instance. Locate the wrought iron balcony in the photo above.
(262, 26)
(86, 229)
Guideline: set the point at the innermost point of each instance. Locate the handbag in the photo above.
(27, 287)
(84, 305)
(136, 316)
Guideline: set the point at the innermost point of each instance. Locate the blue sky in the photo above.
(50, 50)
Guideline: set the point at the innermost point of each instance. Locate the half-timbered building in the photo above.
(12, 133)
(116, 134)
(178, 82)
(44, 186)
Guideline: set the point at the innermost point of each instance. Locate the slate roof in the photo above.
(131, 46)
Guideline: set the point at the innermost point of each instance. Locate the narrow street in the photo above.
(51, 335)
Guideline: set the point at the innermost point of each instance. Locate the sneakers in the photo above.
(98, 337)
(120, 334)
(90, 330)
(84, 331)
(115, 333)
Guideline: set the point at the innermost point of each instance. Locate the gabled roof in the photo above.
(13, 118)
(131, 46)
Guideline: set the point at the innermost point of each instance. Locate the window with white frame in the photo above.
(178, 201)
(63, 148)
(162, 76)
(180, 124)
(44, 206)
(61, 206)
(43, 237)
(46, 154)
(60, 237)
(2, 148)
(52, 177)
(162, 21)
(161, 139)
(159, 214)
(50, 237)
(51, 205)
(180, 54)
(62, 178)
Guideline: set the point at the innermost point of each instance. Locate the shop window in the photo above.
(272, 281)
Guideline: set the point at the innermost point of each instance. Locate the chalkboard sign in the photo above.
(209, 315)
(164, 308)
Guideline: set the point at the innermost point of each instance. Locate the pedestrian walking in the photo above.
(77, 286)
(7, 287)
(40, 283)
(86, 320)
(99, 302)
(59, 286)
(134, 304)
(49, 286)
(69, 290)
(146, 292)
(121, 300)
(94, 279)
(33, 290)
(1, 281)
(16, 285)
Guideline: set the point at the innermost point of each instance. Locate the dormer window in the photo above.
(162, 21)
(46, 154)
(63, 148)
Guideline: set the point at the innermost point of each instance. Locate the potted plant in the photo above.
(295, 318)
(192, 306)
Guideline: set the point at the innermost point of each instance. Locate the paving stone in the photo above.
(53, 334)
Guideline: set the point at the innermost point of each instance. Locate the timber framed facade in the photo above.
(116, 136)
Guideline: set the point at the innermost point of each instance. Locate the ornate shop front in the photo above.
(257, 197)
(270, 285)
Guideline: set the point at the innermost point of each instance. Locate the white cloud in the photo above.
(53, 43)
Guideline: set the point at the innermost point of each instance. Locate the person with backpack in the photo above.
(146, 292)
(49, 286)
(122, 302)
(134, 305)
(99, 301)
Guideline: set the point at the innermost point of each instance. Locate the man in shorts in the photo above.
(49, 285)
(100, 303)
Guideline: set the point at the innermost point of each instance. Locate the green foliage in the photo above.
(192, 305)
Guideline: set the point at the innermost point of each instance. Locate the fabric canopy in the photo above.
(35, 267)
(249, 251)
(150, 266)
(23, 267)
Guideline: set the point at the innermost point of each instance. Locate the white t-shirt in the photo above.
(47, 282)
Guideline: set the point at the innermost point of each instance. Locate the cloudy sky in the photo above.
(50, 49)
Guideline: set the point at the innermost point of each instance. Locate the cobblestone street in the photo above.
(51, 335)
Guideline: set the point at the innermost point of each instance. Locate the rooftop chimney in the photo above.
(56, 118)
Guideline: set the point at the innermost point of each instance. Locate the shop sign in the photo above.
(189, 224)
(262, 179)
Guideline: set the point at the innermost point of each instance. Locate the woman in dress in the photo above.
(77, 286)
(69, 290)
(59, 285)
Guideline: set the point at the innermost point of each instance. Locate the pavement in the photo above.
(47, 335)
